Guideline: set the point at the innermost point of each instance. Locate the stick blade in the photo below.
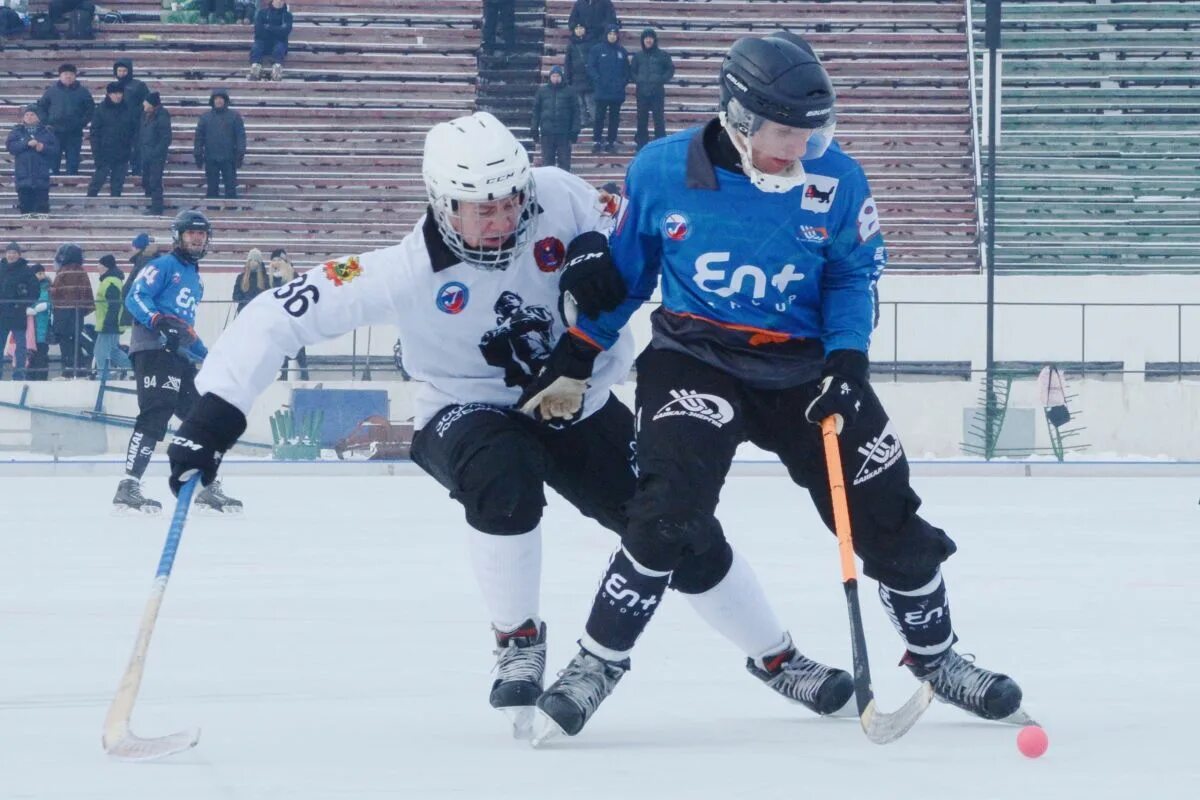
(883, 728)
(129, 747)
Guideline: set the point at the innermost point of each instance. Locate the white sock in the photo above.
(508, 570)
(737, 608)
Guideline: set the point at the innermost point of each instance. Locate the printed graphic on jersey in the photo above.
(149, 275)
(708, 407)
(452, 297)
(878, 454)
(818, 193)
(522, 340)
(813, 234)
(676, 226)
(549, 254)
(458, 412)
(343, 271)
(868, 220)
(172, 383)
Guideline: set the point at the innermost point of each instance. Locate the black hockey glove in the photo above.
(211, 429)
(555, 396)
(842, 384)
(176, 334)
(590, 280)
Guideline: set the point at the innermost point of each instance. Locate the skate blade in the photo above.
(209, 511)
(1019, 717)
(849, 710)
(883, 728)
(129, 511)
(544, 729)
(521, 718)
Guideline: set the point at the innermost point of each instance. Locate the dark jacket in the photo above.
(135, 90)
(272, 25)
(32, 169)
(220, 134)
(595, 15)
(18, 291)
(113, 132)
(608, 67)
(556, 111)
(576, 64)
(66, 109)
(651, 68)
(244, 296)
(154, 137)
(72, 289)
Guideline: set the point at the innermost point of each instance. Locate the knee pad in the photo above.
(665, 529)
(500, 486)
(696, 574)
(905, 559)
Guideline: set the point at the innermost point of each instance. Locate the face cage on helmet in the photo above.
(486, 258)
(742, 124)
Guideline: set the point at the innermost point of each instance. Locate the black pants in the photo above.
(68, 327)
(503, 14)
(613, 112)
(165, 386)
(217, 172)
(693, 417)
(33, 201)
(152, 184)
(114, 171)
(647, 106)
(215, 6)
(39, 363)
(70, 144)
(556, 151)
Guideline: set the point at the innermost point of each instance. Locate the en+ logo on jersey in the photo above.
(452, 298)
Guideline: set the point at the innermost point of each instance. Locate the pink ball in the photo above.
(1032, 741)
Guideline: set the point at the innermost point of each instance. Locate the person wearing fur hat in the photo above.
(253, 281)
(220, 145)
(150, 150)
(556, 120)
(608, 67)
(652, 67)
(67, 107)
(107, 351)
(34, 148)
(112, 136)
(71, 294)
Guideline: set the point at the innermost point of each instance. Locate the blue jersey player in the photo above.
(767, 244)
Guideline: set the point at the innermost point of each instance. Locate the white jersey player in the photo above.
(474, 290)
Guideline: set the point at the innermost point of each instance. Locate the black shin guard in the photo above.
(922, 616)
(628, 597)
(137, 456)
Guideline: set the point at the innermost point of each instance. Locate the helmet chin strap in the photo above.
(790, 178)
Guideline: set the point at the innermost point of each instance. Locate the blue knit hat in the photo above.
(142, 241)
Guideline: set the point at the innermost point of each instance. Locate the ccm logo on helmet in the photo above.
(499, 178)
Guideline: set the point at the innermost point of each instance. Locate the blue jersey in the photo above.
(166, 285)
(762, 285)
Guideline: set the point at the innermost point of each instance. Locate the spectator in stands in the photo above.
(245, 11)
(283, 272)
(18, 293)
(556, 120)
(108, 353)
(71, 295)
(215, 11)
(499, 13)
(651, 69)
(150, 150)
(145, 250)
(594, 15)
(67, 108)
(608, 67)
(220, 145)
(272, 27)
(577, 71)
(252, 282)
(112, 137)
(35, 149)
(39, 360)
(135, 94)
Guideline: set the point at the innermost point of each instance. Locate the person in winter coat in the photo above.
(556, 120)
(108, 353)
(272, 27)
(145, 250)
(18, 292)
(151, 148)
(253, 281)
(594, 15)
(282, 272)
(112, 137)
(35, 149)
(651, 69)
(608, 67)
(71, 294)
(576, 71)
(499, 14)
(135, 94)
(67, 107)
(39, 359)
(220, 145)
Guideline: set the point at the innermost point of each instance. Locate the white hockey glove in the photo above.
(555, 396)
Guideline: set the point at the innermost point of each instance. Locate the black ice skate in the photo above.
(211, 498)
(520, 662)
(129, 498)
(572, 699)
(825, 690)
(957, 681)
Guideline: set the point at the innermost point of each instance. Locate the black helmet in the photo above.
(190, 220)
(779, 78)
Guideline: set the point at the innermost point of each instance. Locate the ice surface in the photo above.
(332, 645)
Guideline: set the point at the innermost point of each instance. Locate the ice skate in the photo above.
(129, 499)
(957, 681)
(572, 699)
(211, 498)
(520, 663)
(824, 690)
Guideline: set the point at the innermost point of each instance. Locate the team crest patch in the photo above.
(343, 271)
(549, 254)
(813, 234)
(818, 193)
(452, 297)
(676, 226)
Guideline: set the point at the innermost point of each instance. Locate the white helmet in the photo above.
(475, 159)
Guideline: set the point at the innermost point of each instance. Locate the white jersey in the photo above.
(471, 335)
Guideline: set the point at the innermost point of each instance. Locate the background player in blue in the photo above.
(164, 348)
(769, 247)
